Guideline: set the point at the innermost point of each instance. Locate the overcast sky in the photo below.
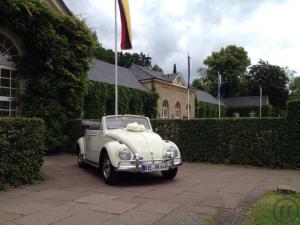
(168, 29)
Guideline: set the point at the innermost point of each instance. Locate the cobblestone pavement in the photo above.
(75, 196)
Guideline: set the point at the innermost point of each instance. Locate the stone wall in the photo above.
(172, 93)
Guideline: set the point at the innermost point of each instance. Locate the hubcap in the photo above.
(106, 167)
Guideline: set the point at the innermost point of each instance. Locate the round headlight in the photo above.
(173, 151)
(125, 154)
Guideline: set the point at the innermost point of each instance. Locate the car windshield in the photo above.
(120, 122)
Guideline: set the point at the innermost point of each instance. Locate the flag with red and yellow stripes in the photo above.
(126, 25)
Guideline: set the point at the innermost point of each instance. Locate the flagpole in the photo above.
(260, 100)
(219, 107)
(116, 61)
(189, 73)
(219, 92)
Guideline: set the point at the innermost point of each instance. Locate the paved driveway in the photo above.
(75, 196)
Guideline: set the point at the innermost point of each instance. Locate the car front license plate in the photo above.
(154, 167)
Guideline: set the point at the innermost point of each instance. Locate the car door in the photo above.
(96, 142)
(89, 136)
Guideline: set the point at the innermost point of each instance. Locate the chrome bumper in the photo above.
(135, 165)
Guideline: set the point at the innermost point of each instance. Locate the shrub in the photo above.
(73, 129)
(21, 151)
(272, 142)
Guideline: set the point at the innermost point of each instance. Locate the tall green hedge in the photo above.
(293, 112)
(55, 63)
(100, 101)
(21, 151)
(293, 116)
(272, 142)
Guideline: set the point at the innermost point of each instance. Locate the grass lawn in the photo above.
(275, 209)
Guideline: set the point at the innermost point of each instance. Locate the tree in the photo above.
(295, 89)
(174, 69)
(201, 82)
(157, 68)
(124, 59)
(232, 63)
(273, 80)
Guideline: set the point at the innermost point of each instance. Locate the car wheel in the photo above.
(108, 172)
(169, 174)
(80, 160)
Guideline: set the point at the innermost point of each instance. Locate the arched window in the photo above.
(177, 110)
(165, 109)
(8, 82)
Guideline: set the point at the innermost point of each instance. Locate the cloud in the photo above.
(168, 29)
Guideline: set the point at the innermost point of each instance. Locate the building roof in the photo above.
(105, 72)
(170, 77)
(245, 101)
(204, 96)
(60, 5)
(143, 73)
(65, 7)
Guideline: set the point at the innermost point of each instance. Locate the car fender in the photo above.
(81, 144)
(170, 143)
(112, 149)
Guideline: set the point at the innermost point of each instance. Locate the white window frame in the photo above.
(165, 110)
(252, 114)
(236, 115)
(8, 62)
(11, 111)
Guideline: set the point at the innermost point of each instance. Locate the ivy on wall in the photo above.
(207, 110)
(100, 101)
(55, 64)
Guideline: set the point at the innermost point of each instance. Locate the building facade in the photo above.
(173, 99)
(246, 106)
(171, 88)
(11, 49)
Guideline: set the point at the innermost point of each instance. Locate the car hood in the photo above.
(147, 143)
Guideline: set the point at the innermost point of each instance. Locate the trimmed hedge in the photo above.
(271, 142)
(293, 112)
(21, 151)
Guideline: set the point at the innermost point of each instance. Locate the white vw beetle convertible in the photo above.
(126, 143)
